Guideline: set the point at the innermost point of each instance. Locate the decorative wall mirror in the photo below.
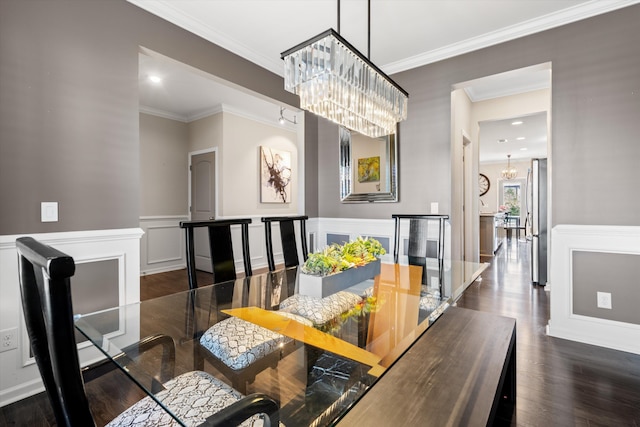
(368, 167)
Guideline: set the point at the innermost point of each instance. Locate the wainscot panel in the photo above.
(162, 247)
(564, 322)
(117, 250)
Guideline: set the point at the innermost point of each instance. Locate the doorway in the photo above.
(493, 99)
(202, 201)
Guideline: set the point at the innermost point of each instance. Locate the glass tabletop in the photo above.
(318, 355)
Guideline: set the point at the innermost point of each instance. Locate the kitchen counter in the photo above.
(491, 235)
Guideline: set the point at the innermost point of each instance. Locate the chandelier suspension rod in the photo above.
(368, 26)
(338, 16)
(369, 30)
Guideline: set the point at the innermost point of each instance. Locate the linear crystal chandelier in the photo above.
(335, 81)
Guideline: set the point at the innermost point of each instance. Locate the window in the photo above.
(511, 198)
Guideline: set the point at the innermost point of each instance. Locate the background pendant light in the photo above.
(335, 81)
(509, 172)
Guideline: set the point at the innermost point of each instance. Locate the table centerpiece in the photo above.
(338, 267)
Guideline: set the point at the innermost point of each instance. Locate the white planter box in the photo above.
(321, 287)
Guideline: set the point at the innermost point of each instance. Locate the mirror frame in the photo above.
(346, 171)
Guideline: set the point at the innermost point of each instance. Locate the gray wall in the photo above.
(617, 274)
(311, 164)
(164, 166)
(69, 115)
(69, 107)
(595, 126)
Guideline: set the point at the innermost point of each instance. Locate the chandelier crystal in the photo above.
(509, 172)
(337, 82)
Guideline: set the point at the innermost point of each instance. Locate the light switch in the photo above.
(434, 207)
(49, 211)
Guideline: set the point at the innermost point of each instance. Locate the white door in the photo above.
(202, 203)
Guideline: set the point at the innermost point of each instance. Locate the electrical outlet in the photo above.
(8, 339)
(604, 300)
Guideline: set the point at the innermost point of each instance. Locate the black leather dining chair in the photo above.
(45, 288)
(221, 248)
(288, 239)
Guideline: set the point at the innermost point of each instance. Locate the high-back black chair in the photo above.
(418, 242)
(288, 239)
(46, 300)
(419, 248)
(45, 288)
(221, 248)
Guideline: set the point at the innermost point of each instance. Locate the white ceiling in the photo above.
(404, 34)
(500, 137)
(187, 94)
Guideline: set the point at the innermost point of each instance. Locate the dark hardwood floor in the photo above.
(559, 383)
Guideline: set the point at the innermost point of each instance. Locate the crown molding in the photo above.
(162, 113)
(537, 25)
(166, 10)
(260, 119)
(220, 108)
(216, 109)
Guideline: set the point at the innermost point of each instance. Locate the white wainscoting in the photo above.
(163, 244)
(20, 377)
(563, 323)
(162, 247)
(354, 227)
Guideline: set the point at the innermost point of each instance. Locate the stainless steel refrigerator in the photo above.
(538, 188)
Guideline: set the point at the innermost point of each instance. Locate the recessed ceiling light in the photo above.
(524, 149)
(516, 123)
(502, 141)
(520, 138)
(155, 79)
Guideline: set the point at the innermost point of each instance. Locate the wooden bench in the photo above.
(457, 373)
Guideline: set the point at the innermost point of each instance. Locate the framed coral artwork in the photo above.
(275, 175)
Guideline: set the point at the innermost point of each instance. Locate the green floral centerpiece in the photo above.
(360, 258)
(336, 258)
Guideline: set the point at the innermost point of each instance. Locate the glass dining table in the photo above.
(320, 366)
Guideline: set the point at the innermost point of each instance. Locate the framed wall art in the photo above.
(369, 169)
(275, 175)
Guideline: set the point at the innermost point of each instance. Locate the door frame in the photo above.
(469, 208)
(190, 154)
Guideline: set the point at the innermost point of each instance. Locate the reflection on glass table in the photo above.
(316, 356)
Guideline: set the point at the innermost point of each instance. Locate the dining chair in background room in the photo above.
(45, 287)
(220, 248)
(288, 239)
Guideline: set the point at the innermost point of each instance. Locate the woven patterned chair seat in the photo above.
(192, 397)
(238, 343)
(320, 310)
